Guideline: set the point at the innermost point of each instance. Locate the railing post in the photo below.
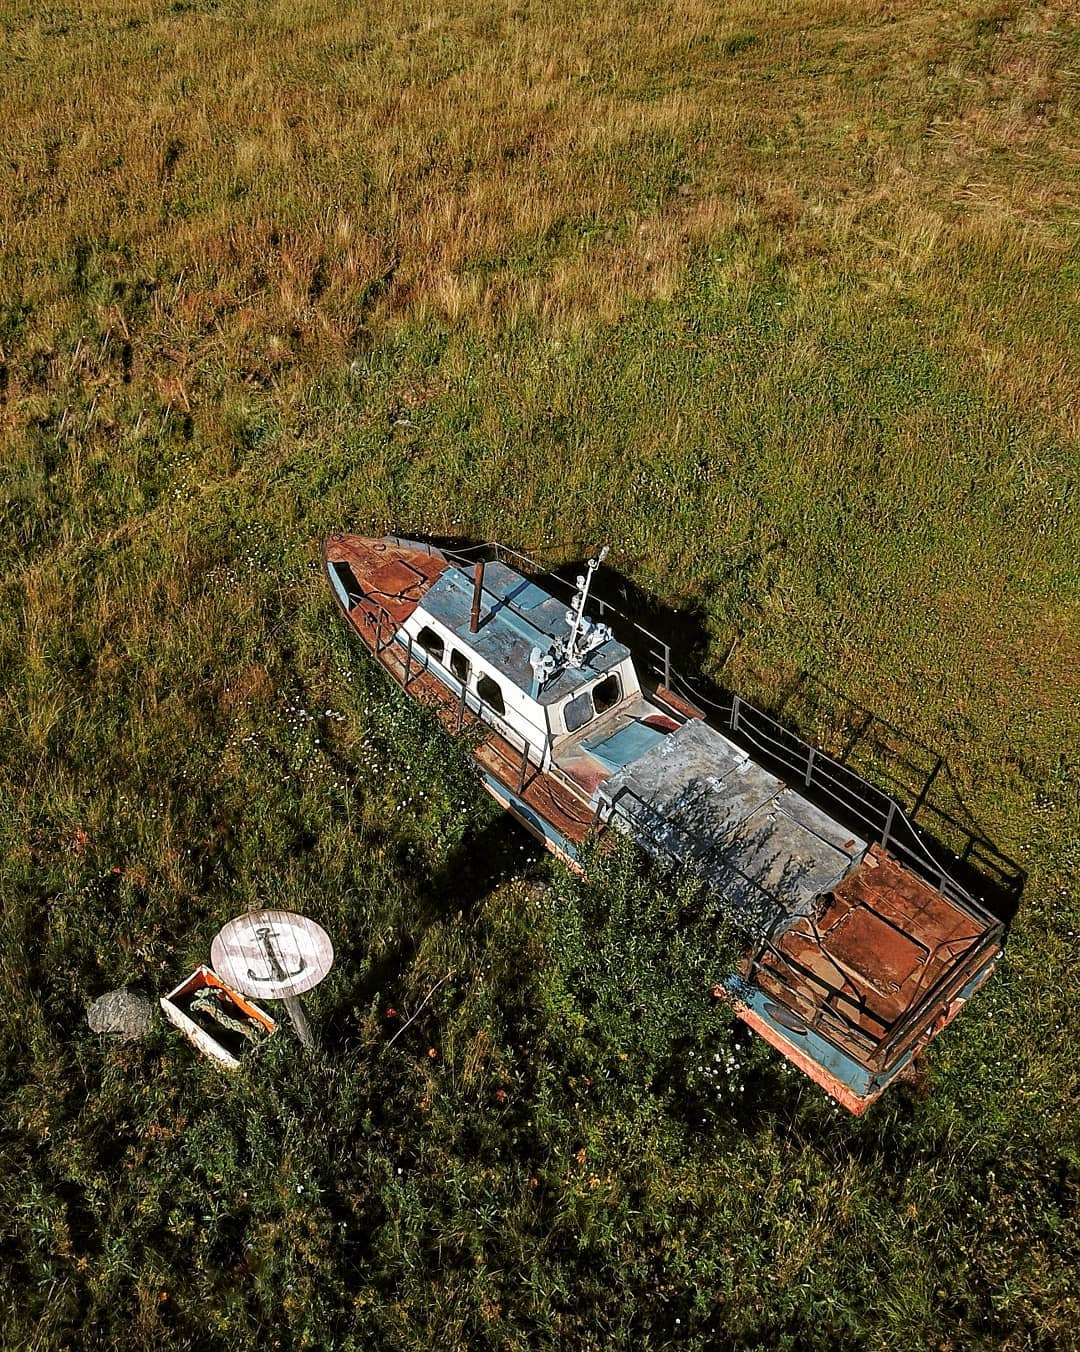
(378, 632)
(809, 777)
(667, 666)
(461, 707)
(736, 704)
(408, 662)
(888, 824)
(524, 770)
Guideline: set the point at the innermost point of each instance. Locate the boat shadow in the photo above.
(496, 850)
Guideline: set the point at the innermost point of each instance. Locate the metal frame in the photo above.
(878, 814)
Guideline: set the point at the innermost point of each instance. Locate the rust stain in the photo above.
(864, 943)
(678, 703)
(381, 578)
(881, 960)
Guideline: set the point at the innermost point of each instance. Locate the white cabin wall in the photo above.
(524, 715)
(629, 677)
(628, 684)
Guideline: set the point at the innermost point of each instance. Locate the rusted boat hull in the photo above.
(844, 1078)
(861, 962)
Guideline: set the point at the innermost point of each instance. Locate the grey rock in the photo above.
(122, 1013)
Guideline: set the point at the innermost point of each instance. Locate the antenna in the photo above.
(276, 955)
(584, 636)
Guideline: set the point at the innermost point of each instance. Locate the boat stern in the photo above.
(852, 991)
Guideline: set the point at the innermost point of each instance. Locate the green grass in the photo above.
(778, 307)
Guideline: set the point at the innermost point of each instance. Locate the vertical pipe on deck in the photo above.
(478, 587)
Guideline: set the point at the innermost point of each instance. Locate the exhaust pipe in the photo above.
(478, 587)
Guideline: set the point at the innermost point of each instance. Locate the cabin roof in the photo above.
(515, 616)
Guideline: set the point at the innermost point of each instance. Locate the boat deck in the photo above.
(381, 579)
(879, 944)
(696, 797)
(611, 742)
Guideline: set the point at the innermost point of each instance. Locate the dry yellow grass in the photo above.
(289, 176)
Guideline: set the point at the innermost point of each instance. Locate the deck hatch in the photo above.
(394, 578)
(345, 575)
(867, 944)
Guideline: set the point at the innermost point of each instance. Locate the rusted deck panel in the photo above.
(878, 946)
(381, 577)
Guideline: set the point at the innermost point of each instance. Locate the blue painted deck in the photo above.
(832, 1060)
(624, 746)
(860, 1081)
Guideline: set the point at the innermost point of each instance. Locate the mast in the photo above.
(583, 636)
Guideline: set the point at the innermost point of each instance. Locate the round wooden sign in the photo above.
(275, 954)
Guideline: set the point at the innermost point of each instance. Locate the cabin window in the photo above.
(459, 665)
(607, 694)
(491, 694)
(578, 711)
(431, 643)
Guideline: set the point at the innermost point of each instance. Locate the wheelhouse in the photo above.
(483, 652)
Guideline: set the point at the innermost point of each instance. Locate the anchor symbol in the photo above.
(277, 970)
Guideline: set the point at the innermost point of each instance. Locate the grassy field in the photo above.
(783, 307)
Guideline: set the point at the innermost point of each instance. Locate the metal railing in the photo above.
(877, 814)
(813, 771)
(826, 1017)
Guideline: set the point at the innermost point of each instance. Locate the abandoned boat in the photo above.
(866, 948)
